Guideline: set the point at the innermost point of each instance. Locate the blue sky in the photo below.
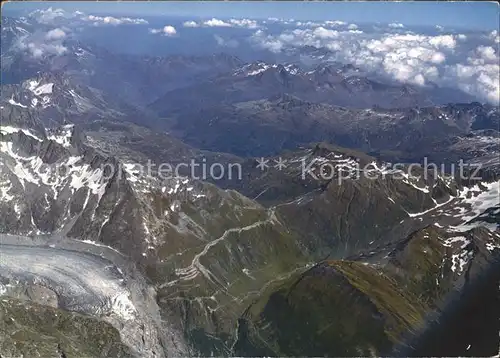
(470, 15)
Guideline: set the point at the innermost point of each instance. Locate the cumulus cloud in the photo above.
(231, 43)
(494, 36)
(396, 25)
(216, 23)
(437, 58)
(51, 16)
(312, 24)
(327, 23)
(41, 43)
(190, 24)
(323, 33)
(335, 23)
(110, 20)
(270, 42)
(250, 24)
(443, 41)
(48, 16)
(448, 60)
(56, 34)
(244, 23)
(37, 49)
(308, 24)
(487, 53)
(167, 30)
(477, 77)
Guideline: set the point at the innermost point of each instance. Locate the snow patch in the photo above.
(462, 239)
(459, 261)
(43, 89)
(5, 187)
(256, 72)
(477, 201)
(63, 136)
(86, 176)
(412, 215)
(10, 130)
(32, 85)
(14, 103)
(247, 272)
(491, 247)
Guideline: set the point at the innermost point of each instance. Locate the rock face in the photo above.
(349, 308)
(329, 251)
(30, 329)
(283, 122)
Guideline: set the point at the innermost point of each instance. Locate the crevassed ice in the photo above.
(122, 306)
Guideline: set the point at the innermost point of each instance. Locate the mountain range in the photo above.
(100, 257)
